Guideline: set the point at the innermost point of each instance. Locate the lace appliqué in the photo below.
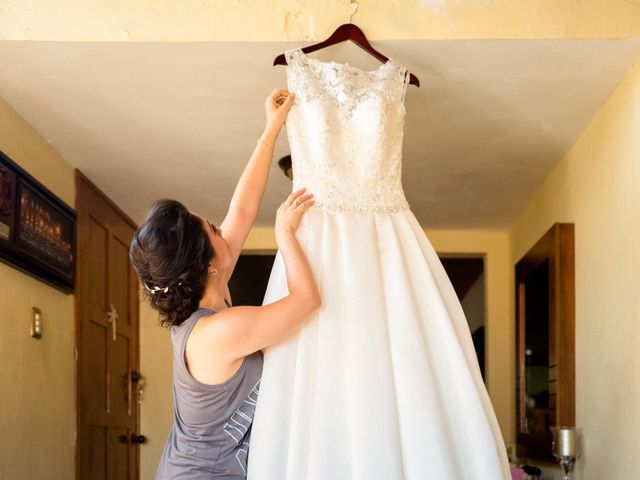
(345, 130)
(344, 85)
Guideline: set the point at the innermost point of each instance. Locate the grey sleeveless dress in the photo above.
(212, 423)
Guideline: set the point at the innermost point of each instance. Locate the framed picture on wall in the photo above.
(37, 229)
(44, 231)
(7, 205)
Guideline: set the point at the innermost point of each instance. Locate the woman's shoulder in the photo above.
(183, 330)
(209, 347)
(219, 325)
(207, 319)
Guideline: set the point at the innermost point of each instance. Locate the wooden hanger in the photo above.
(346, 31)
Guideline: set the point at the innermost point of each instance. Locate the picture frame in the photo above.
(7, 204)
(37, 229)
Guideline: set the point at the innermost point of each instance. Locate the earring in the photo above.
(213, 272)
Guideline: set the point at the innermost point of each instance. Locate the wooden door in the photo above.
(107, 346)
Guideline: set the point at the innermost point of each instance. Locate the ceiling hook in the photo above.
(355, 10)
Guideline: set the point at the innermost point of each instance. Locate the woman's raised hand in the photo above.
(277, 107)
(291, 210)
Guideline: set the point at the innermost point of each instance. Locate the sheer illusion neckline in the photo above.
(346, 65)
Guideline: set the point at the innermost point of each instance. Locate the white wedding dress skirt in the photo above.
(382, 382)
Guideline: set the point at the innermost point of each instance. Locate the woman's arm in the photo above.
(240, 331)
(248, 194)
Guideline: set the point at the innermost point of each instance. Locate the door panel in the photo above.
(94, 240)
(120, 380)
(97, 443)
(97, 339)
(119, 459)
(118, 280)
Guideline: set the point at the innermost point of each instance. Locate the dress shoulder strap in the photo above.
(293, 57)
(288, 56)
(297, 81)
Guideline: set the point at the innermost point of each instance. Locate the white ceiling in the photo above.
(179, 120)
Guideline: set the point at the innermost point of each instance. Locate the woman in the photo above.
(184, 263)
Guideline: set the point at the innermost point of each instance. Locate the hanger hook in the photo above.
(355, 10)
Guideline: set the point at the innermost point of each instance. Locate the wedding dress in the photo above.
(382, 382)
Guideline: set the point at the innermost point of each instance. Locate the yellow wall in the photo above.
(157, 405)
(37, 408)
(307, 20)
(597, 187)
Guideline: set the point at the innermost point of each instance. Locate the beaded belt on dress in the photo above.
(361, 204)
(361, 209)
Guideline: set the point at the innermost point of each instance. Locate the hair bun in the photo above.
(170, 253)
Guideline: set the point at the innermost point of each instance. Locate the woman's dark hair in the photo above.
(172, 247)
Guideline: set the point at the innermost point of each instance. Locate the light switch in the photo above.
(36, 323)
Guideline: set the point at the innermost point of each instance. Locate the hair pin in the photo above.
(155, 290)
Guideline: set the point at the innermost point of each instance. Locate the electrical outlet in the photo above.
(36, 323)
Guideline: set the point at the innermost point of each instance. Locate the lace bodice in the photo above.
(345, 130)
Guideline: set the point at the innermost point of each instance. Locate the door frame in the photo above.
(557, 247)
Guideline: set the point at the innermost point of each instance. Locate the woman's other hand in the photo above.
(277, 107)
(291, 210)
